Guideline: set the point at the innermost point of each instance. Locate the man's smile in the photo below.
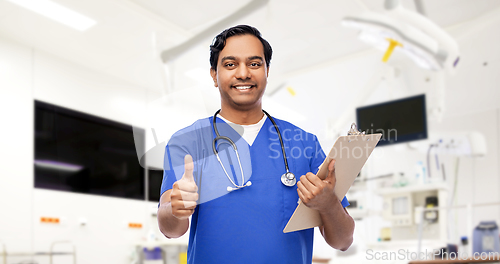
(242, 86)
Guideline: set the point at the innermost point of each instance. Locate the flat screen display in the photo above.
(155, 177)
(399, 121)
(81, 153)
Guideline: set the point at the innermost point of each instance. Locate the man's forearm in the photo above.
(338, 227)
(171, 226)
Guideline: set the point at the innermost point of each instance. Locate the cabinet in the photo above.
(412, 215)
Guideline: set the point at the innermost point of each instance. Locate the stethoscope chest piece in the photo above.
(288, 179)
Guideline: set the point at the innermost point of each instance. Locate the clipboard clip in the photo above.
(354, 131)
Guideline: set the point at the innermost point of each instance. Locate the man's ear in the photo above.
(267, 72)
(213, 73)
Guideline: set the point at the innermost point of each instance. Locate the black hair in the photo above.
(219, 43)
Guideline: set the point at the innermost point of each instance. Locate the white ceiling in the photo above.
(191, 15)
(130, 34)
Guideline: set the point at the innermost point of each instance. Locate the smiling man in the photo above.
(233, 219)
(241, 76)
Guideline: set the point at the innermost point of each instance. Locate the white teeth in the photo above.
(242, 87)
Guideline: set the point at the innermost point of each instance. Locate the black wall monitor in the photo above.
(78, 152)
(399, 121)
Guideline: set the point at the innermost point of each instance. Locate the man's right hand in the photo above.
(184, 192)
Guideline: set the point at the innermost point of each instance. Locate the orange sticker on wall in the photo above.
(50, 220)
(135, 225)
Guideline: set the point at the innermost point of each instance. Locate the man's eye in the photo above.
(229, 64)
(255, 64)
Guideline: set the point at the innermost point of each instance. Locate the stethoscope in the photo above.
(288, 179)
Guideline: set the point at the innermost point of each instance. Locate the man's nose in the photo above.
(243, 72)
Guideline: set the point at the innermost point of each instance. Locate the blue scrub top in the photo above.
(246, 225)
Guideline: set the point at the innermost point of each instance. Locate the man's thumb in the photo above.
(188, 168)
(331, 169)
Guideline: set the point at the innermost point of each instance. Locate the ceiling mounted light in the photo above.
(58, 13)
(401, 30)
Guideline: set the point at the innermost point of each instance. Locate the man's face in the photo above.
(241, 74)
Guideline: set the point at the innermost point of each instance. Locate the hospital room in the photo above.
(252, 131)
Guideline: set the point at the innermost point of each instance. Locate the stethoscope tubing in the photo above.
(229, 141)
(281, 140)
(219, 137)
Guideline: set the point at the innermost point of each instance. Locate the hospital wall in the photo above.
(26, 75)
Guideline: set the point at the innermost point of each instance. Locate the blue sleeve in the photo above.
(169, 174)
(344, 202)
(183, 142)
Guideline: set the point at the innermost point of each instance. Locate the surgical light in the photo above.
(401, 30)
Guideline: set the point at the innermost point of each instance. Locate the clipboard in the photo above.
(350, 153)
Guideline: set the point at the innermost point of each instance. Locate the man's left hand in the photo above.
(316, 193)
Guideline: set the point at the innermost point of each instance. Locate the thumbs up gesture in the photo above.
(316, 193)
(184, 192)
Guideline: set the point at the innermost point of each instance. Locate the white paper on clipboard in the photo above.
(350, 154)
